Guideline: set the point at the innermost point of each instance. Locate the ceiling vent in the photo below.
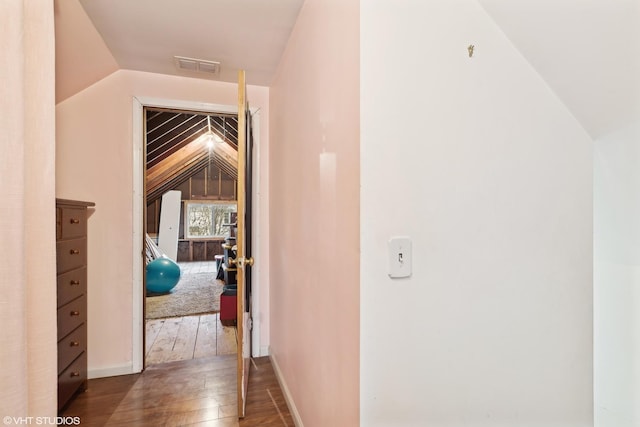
(197, 65)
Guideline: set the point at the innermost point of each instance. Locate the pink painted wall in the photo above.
(94, 157)
(82, 57)
(28, 368)
(314, 163)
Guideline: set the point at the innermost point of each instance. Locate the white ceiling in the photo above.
(588, 51)
(145, 35)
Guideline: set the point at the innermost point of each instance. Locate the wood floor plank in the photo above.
(185, 342)
(222, 422)
(265, 402)
(226, 339)
(207, 339)
(196, 392)
(152, 329)
(188, 337)
(100, 400)
(163, 345)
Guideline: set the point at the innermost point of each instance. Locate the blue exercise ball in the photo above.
(162, 275)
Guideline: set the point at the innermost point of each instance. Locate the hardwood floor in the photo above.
(266, 405)
(189, 337)
(196, 392)
(190, 380)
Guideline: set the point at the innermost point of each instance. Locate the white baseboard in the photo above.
(287, 395)
(113, 371)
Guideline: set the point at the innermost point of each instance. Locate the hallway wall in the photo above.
(481, 165)
(314, 214)
(616, 237)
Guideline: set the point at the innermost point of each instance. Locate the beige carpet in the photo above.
(194, 294)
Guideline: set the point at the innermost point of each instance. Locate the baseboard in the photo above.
(113, 371)
(287, 395)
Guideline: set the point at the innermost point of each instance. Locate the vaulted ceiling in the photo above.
(177, 148)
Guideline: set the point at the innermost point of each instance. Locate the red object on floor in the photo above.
(228, 308)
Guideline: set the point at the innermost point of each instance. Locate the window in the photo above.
(208, 219)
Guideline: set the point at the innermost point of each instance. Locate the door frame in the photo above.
(138, 193)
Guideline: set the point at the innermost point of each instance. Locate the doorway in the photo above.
(139, 193)
(191, 160)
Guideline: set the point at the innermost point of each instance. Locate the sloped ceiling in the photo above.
(588, 52)
(82, 57)
(94, 38)
(145, 35)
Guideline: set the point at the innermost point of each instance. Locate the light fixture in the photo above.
(209, 134)
(212, 138)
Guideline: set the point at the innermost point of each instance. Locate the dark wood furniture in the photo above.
(71, 266)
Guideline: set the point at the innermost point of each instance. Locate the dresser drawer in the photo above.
(73, 222)
(71, 346)
(71, 285)
(71, 315)
(71, 379)
(71, 254)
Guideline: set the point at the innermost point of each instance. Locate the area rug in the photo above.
(197, 293)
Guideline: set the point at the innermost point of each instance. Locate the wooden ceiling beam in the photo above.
(183, 163)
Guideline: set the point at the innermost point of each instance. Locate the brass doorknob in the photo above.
(241, 261)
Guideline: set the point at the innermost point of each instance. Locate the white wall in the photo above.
(481, 165)
(617, 278)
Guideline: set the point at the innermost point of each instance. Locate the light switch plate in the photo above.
(400, 257)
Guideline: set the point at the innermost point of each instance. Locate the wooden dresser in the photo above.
(71, 262)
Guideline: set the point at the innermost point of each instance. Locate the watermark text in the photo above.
(41, 421)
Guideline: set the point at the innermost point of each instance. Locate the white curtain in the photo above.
(28, 361)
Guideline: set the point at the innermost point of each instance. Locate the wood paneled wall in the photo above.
(211, 183)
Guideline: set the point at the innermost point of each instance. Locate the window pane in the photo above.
(209, 219)
(200, 220)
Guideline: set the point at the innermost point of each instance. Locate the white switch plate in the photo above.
(399, 257)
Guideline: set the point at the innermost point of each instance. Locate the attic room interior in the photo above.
(511, 169)
(194, 156)
(182, 156)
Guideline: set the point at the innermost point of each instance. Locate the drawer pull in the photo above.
(74, 252)
(74, 221)
(74, 313)
(74, 344)
(74, 283)
(74, 374)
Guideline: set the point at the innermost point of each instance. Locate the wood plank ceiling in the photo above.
(177, 150)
